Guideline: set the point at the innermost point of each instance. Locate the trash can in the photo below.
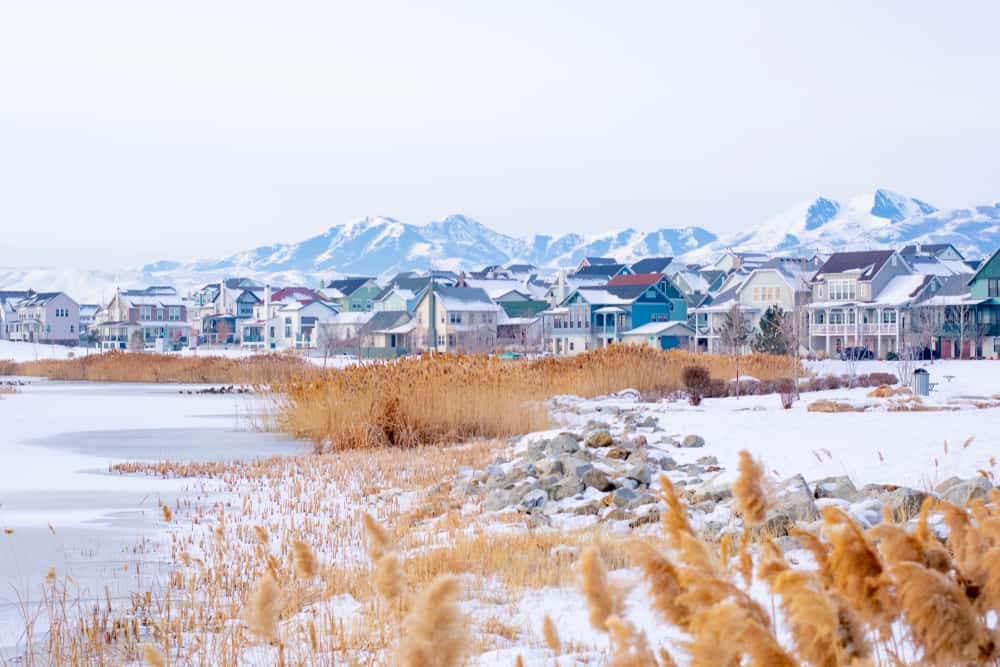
(921, 383)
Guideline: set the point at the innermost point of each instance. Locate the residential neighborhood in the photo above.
(924, 300)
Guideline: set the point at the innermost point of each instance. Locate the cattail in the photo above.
(675, 519)
(153, 656)
(941, 619)
(725, 632)
(433, 631)
(265, 608)
(313, 638)
(378, 537)
(50, 576)
(519, 661)
(745, 560)
(601, 600)
(167, 514)
(305, 559)
(551, 635)
(261, 534)
(748, 490)
(387, 576)
(772, 561)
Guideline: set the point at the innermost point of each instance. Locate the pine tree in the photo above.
(771, 338)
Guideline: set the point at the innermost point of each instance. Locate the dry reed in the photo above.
(434, 631)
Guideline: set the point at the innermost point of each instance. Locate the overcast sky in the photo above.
(193, 128)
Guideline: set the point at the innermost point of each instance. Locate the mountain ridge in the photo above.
(382, 245)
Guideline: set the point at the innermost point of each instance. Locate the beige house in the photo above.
(455, 319)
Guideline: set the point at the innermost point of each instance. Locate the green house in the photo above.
(355, 295)
(984, 289)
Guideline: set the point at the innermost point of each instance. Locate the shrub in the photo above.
(786, 390)
(892, 356)
(877, 379)
(696, 379)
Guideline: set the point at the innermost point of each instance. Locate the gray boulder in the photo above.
(904, 502)
(835, 487)
(794, 497)
(597, 479)
(714, 489)
(566, 488)
(642, 473)
(691, 441)
(562, 444)
(533, 500)
(600, 439)
(624, 497)
(965, 491)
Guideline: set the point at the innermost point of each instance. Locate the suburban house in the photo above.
(523, 272)
(599, 272)
(402, 293)
(46, 317)
(942, 251)
(155, 317)
(387, 335)
(286, 318)
(88, 318)
(223, 303)
(785, 284)
(944, 316)
(596, 261)
(8, 310)
(731, 261)
(519, 327)
(456, 319)
(984, 289)
(860, 299)
(594, 317)
(353, 295)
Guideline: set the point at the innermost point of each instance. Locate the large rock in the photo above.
(562, 444)
(619, 453)
(566, 488)
(642, 473)
(551, 467)
(714, 489)
(600, 439)
(691, 441)
(965, 491)
(576, 466)
(793, 497)
(904, 502)
(598, 480)
(835, 487)
(533, 500)
(624, 497)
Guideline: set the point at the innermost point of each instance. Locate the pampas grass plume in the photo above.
(601, 600)
(378, 537)
(748, 490)
(388, 576)
(551, 635)
(153, 656)
(434, 631)
(265, 608)
(305, 559)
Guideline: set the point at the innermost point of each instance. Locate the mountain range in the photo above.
(382, 246)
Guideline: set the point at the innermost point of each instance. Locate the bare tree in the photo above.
(924, 325)
(793, 327)
(736, 333)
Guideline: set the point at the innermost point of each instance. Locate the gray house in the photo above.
(46, 317)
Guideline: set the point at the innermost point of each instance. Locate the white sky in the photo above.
(130, 134)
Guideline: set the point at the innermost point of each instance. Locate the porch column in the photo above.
(828, 325)
(878, 332)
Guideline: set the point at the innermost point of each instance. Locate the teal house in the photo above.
(594, 317)
(984, 292)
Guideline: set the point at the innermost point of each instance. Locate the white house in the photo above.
(47, 317)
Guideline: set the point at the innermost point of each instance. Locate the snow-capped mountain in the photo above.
(882, 219)
(382, 246)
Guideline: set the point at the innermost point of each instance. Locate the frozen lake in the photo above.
(59, 506)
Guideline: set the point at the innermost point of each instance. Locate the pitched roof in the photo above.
(464, 299)
(296, 293)
(652, 264)
(386, 319)
(600, 260)
(38, 299)
(523, 308)
(868, 262)
(636, 279)
(599, 270)
(348, 286)
(927, 249)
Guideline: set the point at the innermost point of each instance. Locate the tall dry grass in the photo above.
(119, 366)
(447, 398)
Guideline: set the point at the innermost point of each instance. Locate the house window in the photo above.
(146, 313)
(174, 314)
(454, 318)
(888, 317)
(71, 328)
(571, 345)
(994, 287)
(842, 290)
(159, 314)
(288, 327)
(451, 340)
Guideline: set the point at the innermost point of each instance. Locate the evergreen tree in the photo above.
(771, 338)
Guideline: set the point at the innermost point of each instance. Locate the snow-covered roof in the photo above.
(401, 329)
(352, 317)
(901, 290)
(602, 296)
(675, 327)
(464, 299)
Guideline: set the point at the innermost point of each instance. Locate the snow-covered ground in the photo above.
(60, 508)
(60, 439)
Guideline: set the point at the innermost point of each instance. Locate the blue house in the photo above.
(594, 317)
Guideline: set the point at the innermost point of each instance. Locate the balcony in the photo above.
(883, 329)
(871, 329)
(832, 329)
